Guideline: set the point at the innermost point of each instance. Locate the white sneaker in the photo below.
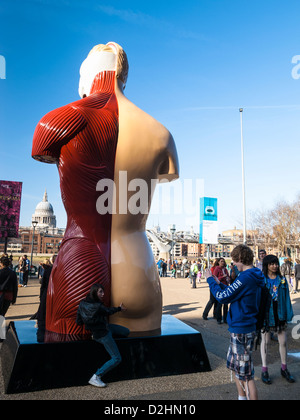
(96, 381)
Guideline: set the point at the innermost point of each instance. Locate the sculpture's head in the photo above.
(109, 57)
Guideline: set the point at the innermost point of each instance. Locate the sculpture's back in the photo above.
(92, 140)
(81, 138)
(146, 151)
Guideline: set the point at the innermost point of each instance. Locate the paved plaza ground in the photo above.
(187, 305)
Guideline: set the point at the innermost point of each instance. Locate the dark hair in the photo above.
(243, 254)
(216, 263)
(5, 261)
(270, 259)
(94, 290)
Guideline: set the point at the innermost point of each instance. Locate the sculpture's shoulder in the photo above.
(148, 136)
(54, 130)
(136, 120)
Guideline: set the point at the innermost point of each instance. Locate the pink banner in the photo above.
(10, 204)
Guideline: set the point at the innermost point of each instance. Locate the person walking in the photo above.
(8, 286)
(93, 315)
(20, 263)
(297, 276)
(194, 273)
(213, 301)
(160, 267)
(281, 312)
(41, 313)
(25, 267)
(286, 272)
(261, 255)
(244, 294)
(223, 276)
(174, 270)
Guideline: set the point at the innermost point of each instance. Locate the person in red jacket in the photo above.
(223, 276)
(213, 301)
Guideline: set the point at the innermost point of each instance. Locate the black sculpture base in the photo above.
(29, 365)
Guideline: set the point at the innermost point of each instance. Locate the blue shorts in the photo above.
(239, 357)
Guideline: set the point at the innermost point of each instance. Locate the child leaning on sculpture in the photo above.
(93, 315)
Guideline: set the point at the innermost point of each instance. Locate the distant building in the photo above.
(186, 245)
(47, 237)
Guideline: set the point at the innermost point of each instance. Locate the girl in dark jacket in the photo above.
(281, 312)
(93, 315)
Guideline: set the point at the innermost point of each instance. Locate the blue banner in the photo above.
(208, 220)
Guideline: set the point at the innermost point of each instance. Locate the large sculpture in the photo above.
(104, 137)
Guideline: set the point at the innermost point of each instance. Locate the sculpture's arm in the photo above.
(55, 130)
(169, 168)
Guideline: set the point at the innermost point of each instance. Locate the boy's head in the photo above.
(4, 262)
(242, 255)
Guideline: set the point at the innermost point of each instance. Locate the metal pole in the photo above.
(208, 256)
(34, 223)
(243, 180)
(5, 244)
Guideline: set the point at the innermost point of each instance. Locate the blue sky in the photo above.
(193, 64)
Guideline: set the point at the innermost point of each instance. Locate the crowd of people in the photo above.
(243, 285)
(182, 268)
(9, 283)
(195, 268)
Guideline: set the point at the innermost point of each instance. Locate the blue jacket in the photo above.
(244, 294)
(285, 309)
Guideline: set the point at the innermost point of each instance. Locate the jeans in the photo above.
(111, 347)
(217, 311)
(25, 277)
(194, 278)
(21, 278)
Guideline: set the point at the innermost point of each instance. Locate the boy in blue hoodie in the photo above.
(244, 295)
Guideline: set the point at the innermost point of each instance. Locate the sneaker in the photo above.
(96, 381)
(286, 375)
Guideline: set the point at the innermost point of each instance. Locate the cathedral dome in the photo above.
(44, 214)
(44, 207)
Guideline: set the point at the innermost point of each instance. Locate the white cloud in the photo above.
(143, 19)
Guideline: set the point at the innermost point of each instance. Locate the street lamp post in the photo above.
(173, 230)
(34, 223)
(243, 179)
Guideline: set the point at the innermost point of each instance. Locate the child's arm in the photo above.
(226, 294)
